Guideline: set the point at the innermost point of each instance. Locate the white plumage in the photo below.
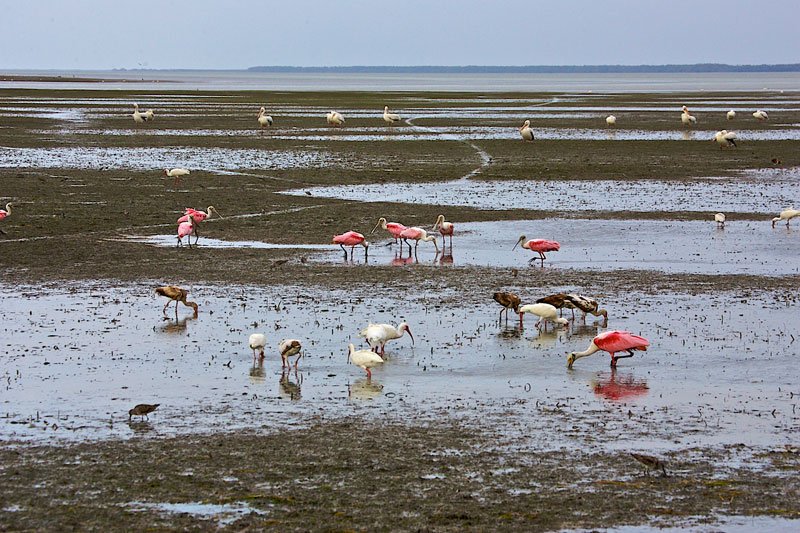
(264, 120)
(390, 117)
(257, 342)
(761, 115)
(544, 312)
(377, 335)
(787, 215)
(365, 359)
(687, 118)
(289, 348)
(177, 173)
(725, 138)
(526, 132)
(139, 118)
(730, 115)
(611, 120)
(719, 218)
(335, 118)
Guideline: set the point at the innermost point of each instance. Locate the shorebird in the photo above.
(445, 228)
(138, 118)
(508, 300)
(539, 246)
(650, 462)
(365, 359)
(143, 409)
(545, 312)
(257, 342)
(334, 118)
(288, 348)
(612, 342)
(776, 161)
(575, 301)
(264, 120)
(761, 115)
(390, 117)
(175, 294)
(611, 121)
(176, 173)
(351, 239)
(687, 118)
(377, 335)
(395, 228)
(198, 217)
(4, 214)
(149, 116)
(186, 228)
(787, 215)
(526, 132)
(730, 115)
(719, 218)
(725, 139)
(418, 234)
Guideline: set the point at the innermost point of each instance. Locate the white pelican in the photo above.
(139, 118)
(730, 115)
(288, 348)
(377, 335)
(264, 119)
(545, 312)
(611, 121)
(335, 118)
(761, 115)
(787, 215)
(257, 342)
(719, 218)
(177, 173)
(686, 118)
(725, 138)
(390, 117)
(526, 132)
(366, 359)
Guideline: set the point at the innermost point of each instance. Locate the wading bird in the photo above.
(175, 294)
(198, 216)
(288, 348)
(418, 234)
(138, 118)
(719, 218)
(526, 132)
(445, 228)
(575, 301)
(390, 117)
(351, 239)
(377, 335)
(687, 118)
(545, 312)
(365, 359)
(508, 300)
(395, 228)
(787, 215)
(650, 463)
(334, 118)
(730, 115)
(611, 121)
(184, 229)
(761, 115)
(612, 342)
(177, 173)
(257, 342)
(264, 120)
(539, 246)
(149, 116)
(4, 214)
(143, 409)
(725, 139)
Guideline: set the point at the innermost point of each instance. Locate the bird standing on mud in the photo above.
(526, 132)
(197, 216)
(612, 342)
(264, 120)
(138, 118)
(391, 118)
(186, 229)
(143, 409)
(539, 246)
(508, 300)
(4, 214)
(351, 239)
(760, 115)
(335, 119)
(611, 121)
(725, 139)
(177, 173)
(175, 294)
(687, 118)
(650, 462)
(719, 218)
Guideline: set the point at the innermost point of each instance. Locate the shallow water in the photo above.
(718, 524)
(223, 513)
(74, 361)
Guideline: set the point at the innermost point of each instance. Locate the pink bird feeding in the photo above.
(395, 228)
(612, 342)
(184, 229)
(445, 228)
(198, 216)
(418, 234)
(351, 239)
(539, 246)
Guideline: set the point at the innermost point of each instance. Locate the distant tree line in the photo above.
(536, 69)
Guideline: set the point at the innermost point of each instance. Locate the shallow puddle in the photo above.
(223, 514)
(703, 524)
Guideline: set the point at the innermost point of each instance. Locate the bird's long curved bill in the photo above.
(376, 227)
(217, 213)
(515, 245)
(410, 335)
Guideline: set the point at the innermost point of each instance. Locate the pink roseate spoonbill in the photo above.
(335, 119)
(539, 246)
(761, 115)
(418, 234)
(264, 120)
(391, 118)
(5, 213)
(787, 215)
(288, 348)
(687, 118)
(612, 342)
(545, 312)
(730, 115)
(366, 359)
(351, 239)
(508, 300)
(138, 118)
(526, 132)
(725, 139)
(177, 173)
(257, 342)
(445, 228)
(198, 216)
(719, 218)
(175, 294)
(184, 229)
(395, 228)
(377, 335)
(611, 121)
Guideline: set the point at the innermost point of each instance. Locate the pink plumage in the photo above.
(198, 216)
(395, 228)
(617, 341)
(542, 245)
(411, 233)
(351, 238)
(184, 229)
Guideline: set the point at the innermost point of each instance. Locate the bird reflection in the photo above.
(514, 332)
(686, 135)
(400, 260)
(611, 134)
(290, 389)
(585, 330)
(447, 258)
(364, 389)
(178, 326)
(140, 427)
(545, 339)
(616, 387)
(257, 374)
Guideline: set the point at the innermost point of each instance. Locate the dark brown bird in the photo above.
(651, 462)
(776, 161)
(279, 262)
(508, 300)
(574, 301)
(143, 409)
(175, 294)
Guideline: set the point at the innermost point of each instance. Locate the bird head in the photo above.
(570, 360)
(563, 321)
(404, 326)
(380, 221)
(525, 124)
(520, 240)
(212, 208)
(439, 222)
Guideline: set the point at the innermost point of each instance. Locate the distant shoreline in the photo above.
(70, 79)
(537, 69)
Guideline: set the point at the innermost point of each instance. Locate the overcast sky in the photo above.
(95, 34)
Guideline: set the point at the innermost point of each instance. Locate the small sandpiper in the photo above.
(650, 462)
(143, 409)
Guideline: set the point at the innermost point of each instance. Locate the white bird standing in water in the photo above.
(288, 348)
(611, 121)
(725, 139)
(264, 120)
(377, 335)
(526, 132)
(257, 342)
(365, 359)
(787, 215)
(545, 312)
(390, 117)
(719, 218)
(687, 118)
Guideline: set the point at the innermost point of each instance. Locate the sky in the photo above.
(236, 34)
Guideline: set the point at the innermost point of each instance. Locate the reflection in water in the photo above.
(614, 387)
(686, 135)
(514, 332)
(257, 374)
(400, 260)
(140, 427)
(290, 389)
(585, 330)
(178, 326)
(447, 258)
(364, 389)
(546, 339)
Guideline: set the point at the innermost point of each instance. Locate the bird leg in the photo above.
(345, 251)
(196, 235)
(369, 374)
(630, 354)
(297, 361)
(165, 306)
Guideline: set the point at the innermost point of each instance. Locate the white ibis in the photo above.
(719, 218)
(377, 335)
(545, 312)
(761, 115)
(177, 173)
(175, 294)
(787, 215)
(611, 121)
(264, 120)
(725, 139)
(687, 118)
(257, 342)
(612, 342)
(391, 118)
(288, 348)
(730, 115)
(365, 359)
(526, 132)
(334, 118)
